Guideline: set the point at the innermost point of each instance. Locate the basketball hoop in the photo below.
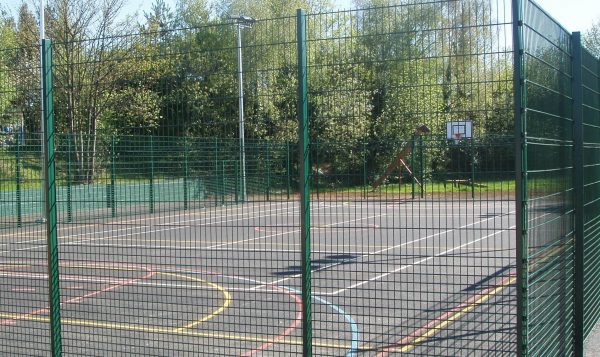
(457, 137)
(459, 130)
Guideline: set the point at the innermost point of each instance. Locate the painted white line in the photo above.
(288, 232)
(387, 249)
(209, 211)
(138, 233)
(418, 262)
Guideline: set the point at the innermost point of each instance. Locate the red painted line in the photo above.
(409, 339)
(288, 331)
(77, 299)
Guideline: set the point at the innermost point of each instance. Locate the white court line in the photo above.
(201, 211)
(419, 262)
(386, 249)
(162, 225)
(404, 267)
(285, 233)
(82, 242)
(155, 284)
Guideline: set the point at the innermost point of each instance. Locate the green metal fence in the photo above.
(344, 223)
(590, 114)
(556, 104)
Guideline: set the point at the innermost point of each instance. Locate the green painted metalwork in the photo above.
(151, 203)
(578, 206)
(151, 177)
(521, 179)
(18, 185)
(590, 106)
(69, 180)
(50, 200)
(304, 176)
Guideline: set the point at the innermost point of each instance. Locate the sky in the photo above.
(574, 15)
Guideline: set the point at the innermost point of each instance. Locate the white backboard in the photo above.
(464, 129)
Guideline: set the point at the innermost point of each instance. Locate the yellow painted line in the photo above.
(171, 331)
(225, 305)
(433, 330)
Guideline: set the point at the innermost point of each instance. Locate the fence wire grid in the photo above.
(344, 222)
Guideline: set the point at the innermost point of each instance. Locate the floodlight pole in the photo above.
(241, 22)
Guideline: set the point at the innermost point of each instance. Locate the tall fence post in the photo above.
(364, 167)
(223, 182)
(317, 172)
(421, 167)
(412, 166)
(236, 179)
(69, 179)
(113, 177)
(18, 183)
(151, 174)
(578, 183)
(50, 200)
(304, 165)
(186, 172)
(216, 178)
(521, 194)
(287, 169)
(472, 142)
(268, 163)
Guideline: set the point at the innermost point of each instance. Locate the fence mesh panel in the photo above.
(412, 235)
(548, 132)
(177, 237)
(23, 263)
(591, 124)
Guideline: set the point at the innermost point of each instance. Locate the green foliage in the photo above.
(8, 43)
(591, 39)
(374, 74)
(132, 110)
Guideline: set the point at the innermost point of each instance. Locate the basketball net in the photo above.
(457, 137)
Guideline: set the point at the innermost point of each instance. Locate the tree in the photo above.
(591, 39)
(8, 45)
(25, 67)
(86, 63)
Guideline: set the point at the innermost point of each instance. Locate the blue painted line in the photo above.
(353, 325)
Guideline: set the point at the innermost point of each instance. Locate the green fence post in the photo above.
(268, 163)
(472, 142)
(288, 168)
(185, 173)
(216, 178)
(412, 167)
(421, 167)
(222, 182)
(113, 177)
(364, 162)
(69, 179)
(578, 183)
(521, 206)
(151, 174)
(18, 182)
(304, 177)
(50, 200)
(317, 173)
(236, 179)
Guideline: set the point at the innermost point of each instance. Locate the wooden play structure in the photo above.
(400, 161)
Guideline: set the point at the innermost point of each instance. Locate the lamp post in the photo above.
(242, 22)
